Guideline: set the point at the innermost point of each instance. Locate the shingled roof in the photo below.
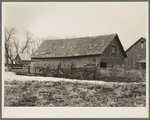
(25, 57)
(73, 47)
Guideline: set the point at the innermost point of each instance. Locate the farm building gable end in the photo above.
(23, 58)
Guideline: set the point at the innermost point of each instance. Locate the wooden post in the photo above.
(43, 71)
(95, 69)
(98, 63)
(100, 60)
(35, 70)
(72, 67)
(59, 67)
(29, 69)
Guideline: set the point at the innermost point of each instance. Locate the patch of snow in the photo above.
(11, 76)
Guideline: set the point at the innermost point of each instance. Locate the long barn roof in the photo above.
(73, 47)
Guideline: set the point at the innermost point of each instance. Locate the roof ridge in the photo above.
(135, 43)
(81, 37)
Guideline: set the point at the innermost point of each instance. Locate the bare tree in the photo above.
(36, 44)
(16, 45)
(28, 40)
(9, 35)
(33, 47)
(39, 41)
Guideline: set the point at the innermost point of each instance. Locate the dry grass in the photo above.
(57, 94)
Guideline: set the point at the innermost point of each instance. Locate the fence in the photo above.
(21, 70)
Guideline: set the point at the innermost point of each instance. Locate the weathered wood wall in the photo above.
(111, 58)
(66, 62)
(135, 53)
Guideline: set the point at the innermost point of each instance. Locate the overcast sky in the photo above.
(129, 19)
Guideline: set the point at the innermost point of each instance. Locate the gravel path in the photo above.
(8, 76)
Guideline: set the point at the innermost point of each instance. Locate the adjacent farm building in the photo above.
(23, 59)
(100, 51)
(136, 55)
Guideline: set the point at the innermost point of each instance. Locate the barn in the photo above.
(23, 59)
(136, 55)
(101, 51)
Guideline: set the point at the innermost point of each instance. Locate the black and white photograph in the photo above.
(79, 59)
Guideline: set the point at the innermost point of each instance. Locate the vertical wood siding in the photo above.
(135, 53)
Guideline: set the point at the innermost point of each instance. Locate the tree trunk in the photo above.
(7, 62)
(12, 62)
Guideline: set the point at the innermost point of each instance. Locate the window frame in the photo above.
(142, 44)
(113, 50)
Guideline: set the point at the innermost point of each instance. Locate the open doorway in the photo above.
(103, 65)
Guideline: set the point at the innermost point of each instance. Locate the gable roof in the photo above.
(135, 43)
(73, 47)
(25, 57)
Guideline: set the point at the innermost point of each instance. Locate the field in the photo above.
(61, 93)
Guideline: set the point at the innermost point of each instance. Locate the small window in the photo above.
(103, 65)
(142, 44)
(113, 49)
